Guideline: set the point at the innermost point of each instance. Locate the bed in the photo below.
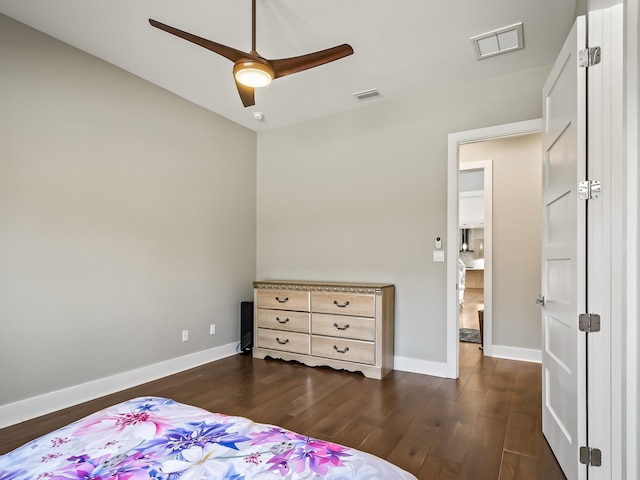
(159, 438)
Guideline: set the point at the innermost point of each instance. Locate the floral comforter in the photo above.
(158, 438)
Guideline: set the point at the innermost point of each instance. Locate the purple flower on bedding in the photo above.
(131, 467)
(282, 466)
(123, 467)
(148, 406)
(325, 454)
(82, 467)
(274, 434)
(141, 424)
(199, 435)
(219, 433)
(296, 451)
(79, 459)
(316, 455)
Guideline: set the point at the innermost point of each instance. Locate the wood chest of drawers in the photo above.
(341, 325)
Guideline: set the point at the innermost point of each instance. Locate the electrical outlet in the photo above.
(212, 329)
(185, 335)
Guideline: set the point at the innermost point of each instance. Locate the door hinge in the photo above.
(588, 57)
(589, 322)
(589, 189)
(592, 457)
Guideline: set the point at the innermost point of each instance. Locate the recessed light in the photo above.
(258, 115)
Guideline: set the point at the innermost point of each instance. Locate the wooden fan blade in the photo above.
(247, 94)
(287, 66)
(227, 52)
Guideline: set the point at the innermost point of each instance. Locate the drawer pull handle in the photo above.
(282, 321)
(282, 342)
(346, 349)
(341, 328)
(341, 305)
(284, 300)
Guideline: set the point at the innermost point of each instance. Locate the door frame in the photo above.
(629, 396)
(454, 141)
(607, 264)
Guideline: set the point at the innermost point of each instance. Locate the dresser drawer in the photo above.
(283, 299)
(344, 303)
(283, 320)
(341, 349)
(285, 341)
(359, 328)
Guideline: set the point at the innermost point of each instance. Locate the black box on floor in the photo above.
(246, 327)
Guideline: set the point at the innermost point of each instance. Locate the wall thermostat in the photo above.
(438, 242)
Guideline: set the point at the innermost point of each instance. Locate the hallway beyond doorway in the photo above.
(473, 301)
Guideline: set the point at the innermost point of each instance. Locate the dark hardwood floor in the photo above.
(473, 301)
(485, 425)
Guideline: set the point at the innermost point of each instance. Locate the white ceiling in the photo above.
(401, 47)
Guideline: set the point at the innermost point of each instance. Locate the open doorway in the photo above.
(475, 201)
(516, 334)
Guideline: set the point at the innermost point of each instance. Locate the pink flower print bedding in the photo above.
(158, 438)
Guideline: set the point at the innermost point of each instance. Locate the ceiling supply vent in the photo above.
(367, 94)
(498, 41)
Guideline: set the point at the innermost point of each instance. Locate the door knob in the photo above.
(539, 300)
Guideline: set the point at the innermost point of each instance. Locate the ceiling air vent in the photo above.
(499, 41)
(367, 94)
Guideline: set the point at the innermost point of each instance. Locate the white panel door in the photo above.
(564, 256)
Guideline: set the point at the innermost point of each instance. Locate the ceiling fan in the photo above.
(250, 70)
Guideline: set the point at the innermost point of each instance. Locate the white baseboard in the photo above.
(33, 407)
(439, 369)
(514, 353)
(22, 410)
(425, 367)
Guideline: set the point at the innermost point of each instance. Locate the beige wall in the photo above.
(361, 196)
(126, 215)
(517, 236)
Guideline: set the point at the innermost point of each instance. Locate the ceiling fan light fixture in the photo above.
(253, 74)
(250, 70)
